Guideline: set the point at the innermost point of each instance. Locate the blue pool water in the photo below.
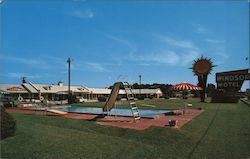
(114, 111)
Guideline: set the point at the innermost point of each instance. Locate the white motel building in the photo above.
(56, 92)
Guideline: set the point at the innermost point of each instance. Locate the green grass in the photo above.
(148, 103)
(222, 131)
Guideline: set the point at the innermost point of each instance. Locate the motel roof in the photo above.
(55, 88)
(100, 90)
(122, 91)
(13, 88)
(143, 91)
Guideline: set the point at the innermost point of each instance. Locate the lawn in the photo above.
(222, 131)
(149, 103)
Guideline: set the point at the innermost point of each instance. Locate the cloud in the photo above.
(201, 29)
(95, 66)
(19, 75)
(118, 39)
(26, 61)
(177, 43)
(122, 41)
(87, 14)
(189, 57)
(222, 54)
(215, 41)
(165, 51)
(79, 0)
(56, 59)
(164, 57)
(129, 49)
(219, 48)
(40, 62)
(88, 66)
(174, 52)
(167, 57)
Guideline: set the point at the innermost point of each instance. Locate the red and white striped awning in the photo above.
(185, 86)
(15, 89)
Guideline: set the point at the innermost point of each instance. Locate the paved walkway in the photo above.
(144, 123)
(123, 122)
(29, 111)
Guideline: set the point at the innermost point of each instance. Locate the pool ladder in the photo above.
(131, 99)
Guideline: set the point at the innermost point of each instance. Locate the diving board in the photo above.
(57, 111)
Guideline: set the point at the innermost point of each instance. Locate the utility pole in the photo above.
(139, 85)
(69, 61)
(248, 90)
(249, 67)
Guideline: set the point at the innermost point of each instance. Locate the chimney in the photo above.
(60, 83)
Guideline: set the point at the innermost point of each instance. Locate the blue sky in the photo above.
(110, 39)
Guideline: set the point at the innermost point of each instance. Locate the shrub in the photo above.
(141, 98)
(118, 98)
(16, 103)
(166, 96)
(45, 101)
(6, 102)
(77, 100)
(71, 99)
(184, 97)
(102, 99)
(8, 124)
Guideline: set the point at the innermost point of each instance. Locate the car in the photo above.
(81, 99)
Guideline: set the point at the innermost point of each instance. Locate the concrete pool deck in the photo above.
(120, 121)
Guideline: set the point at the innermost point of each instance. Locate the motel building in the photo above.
(27, 92)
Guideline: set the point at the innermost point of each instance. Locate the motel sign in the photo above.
(228, 85)
(232, 80)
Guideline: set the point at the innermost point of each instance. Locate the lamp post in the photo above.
(69, 61)
(140, 86)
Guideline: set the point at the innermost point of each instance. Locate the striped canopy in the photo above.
(15, 89)
(185, 86)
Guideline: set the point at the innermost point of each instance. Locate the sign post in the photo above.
(202, 67)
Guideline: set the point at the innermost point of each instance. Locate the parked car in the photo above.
(81, 99)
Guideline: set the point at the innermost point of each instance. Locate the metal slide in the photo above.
(112, 97)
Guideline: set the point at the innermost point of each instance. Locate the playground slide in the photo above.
(112, 97)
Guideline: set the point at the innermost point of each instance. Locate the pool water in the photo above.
(114, 111)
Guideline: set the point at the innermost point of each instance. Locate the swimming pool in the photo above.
(114, 111)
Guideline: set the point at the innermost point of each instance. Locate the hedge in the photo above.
(8, 124)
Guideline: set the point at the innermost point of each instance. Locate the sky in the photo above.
(110, 41)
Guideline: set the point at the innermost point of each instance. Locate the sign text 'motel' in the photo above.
(232, 79)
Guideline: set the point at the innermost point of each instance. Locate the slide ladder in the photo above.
(132, 102)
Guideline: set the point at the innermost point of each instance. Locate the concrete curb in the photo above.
(245, 101)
